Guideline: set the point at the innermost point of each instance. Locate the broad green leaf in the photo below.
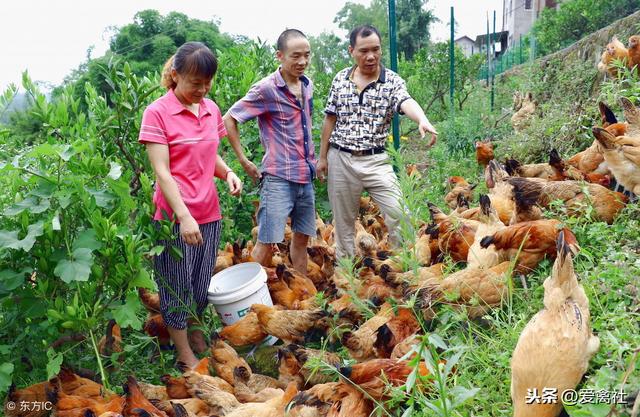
(9, 238)
(411, 380)
(436, 340)
(65, 198)
(143, 280)
(87, 239)
(103, 198)
(6, 372)
(31, 204)
(53, 366)
(125, 314)
(10, 280)
(116, 171)
(451, 362)
(462, 394)
(66, 152)
(78, 268)
(44, 190)
(55, 222)
(156, 250)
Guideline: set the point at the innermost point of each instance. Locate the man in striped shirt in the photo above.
(282, 103)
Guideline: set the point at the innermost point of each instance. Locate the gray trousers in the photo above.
(348, 176)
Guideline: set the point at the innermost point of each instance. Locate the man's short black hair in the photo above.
(362, 31)
(284, 37)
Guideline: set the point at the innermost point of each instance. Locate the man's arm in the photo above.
(414, 112)
(327, 128)
(234, 139)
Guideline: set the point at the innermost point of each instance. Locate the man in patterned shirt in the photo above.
(360, 107)
(282, 103)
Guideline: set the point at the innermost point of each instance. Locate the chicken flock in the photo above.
(378, 312)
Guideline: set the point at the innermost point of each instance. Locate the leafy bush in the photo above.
(556, 29)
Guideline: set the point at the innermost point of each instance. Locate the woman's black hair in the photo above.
(191, 58)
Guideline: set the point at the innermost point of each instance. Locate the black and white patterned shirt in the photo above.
(364, 117)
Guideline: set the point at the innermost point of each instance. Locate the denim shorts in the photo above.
(280, 199)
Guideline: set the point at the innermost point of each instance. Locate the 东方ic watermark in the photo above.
(28, 406)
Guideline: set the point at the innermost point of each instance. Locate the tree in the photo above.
(412, 19)
(146, 44)
(413, 26)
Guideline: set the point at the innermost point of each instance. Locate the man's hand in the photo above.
(251, 169)
(322, 169)
(425, 127)
(234, 183)
(190, 231)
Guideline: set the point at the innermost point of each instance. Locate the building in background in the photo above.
(467, 45)
(499, 39)
(519, 15)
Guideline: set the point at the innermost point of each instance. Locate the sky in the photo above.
(50, 38)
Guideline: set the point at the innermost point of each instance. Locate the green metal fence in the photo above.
(517, 54)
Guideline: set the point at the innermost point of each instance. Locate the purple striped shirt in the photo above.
(285, 126)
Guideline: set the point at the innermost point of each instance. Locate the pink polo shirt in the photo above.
(193, 146)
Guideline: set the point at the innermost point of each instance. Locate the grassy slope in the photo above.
(608, 265)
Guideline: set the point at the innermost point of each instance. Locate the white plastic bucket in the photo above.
(233, 290)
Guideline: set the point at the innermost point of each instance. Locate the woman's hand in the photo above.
(190, 231)
(234, 183)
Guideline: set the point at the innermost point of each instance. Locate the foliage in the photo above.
(559, 28)
(412, 19)
(146, 44)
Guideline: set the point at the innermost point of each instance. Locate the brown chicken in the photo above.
(76, 406)
(112, 342)
(194, 379)
(489, 224)
(615, 50)
(224, 259)
(576, 196)
(301, 286)
(373, 375)
(552, 171)
(353, 403)
(135, 399)
(521, 118)
(36, 393)
(73, 384)
(459, 187)
(360, 342)
(531, 242)
(220, 400)
(633, 53)
(477, 289)
(176, 387)
(245, 394)
(622, 155)
(366, 243)
(155, 326)
(292, 326)
(484, 153)
(454, 235)
(308, 357)
(555, 347)
(153, 392)
(610, 121)
(395, 330)
(280, 292)
(246, 331)
(274, 407)
(226, 361)
(188, 407)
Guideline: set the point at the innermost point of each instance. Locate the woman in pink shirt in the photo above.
(181, 131)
